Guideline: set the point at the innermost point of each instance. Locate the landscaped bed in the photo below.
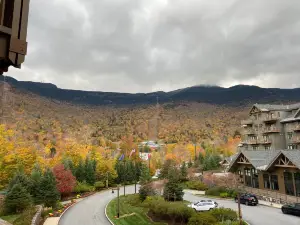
(155, 208)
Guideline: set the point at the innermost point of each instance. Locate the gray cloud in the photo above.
(142, 45)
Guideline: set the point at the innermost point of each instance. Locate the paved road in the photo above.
(90, 211)
(255, 215)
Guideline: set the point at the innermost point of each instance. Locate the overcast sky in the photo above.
(150, 45)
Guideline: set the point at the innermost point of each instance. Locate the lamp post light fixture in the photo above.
(118, 207)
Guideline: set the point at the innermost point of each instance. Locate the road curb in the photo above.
(106, 213)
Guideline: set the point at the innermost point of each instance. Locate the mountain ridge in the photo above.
(235, 95)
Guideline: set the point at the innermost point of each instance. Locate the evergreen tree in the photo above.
(166, 167)
(21, 178)
(90, 174)
(145, 175)
(190, 164)
(36, 177)
(17, 199)
(173, 191)
(68, 164)
(48, 194)
(183, 172)
(80, 171)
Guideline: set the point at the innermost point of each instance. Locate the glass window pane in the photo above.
(288, 183)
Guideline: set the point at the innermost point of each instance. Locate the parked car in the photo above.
(203, 206)
(247, 199)
(293, 209)
(207, 201)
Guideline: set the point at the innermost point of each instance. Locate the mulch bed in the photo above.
(74, 196)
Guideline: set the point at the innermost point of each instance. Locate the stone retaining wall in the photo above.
(37, 217)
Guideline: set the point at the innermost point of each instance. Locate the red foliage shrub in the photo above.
(65, 181)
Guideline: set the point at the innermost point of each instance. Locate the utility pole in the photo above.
(239, 208)
(107, 179)
(124, 177)
(118, 206)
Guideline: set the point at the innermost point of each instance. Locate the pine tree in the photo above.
(90, 175)
(183, 172)
(36, 177)
(173, 191)
(80, 171)
(145, 175)
(17, 199)
(49, 194)
(20, 178)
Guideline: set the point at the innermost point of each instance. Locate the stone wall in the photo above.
(37, 217)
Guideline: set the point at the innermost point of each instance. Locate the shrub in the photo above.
(223, 214)
(65, 181)
(224, 195)
(99, 185)
(196, 185)
(83, 187)
(146, 190)
(176, 211)
(26, 217)
(202, 219)
(215, 191)
(17, 199)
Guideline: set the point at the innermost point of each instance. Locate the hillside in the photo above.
(236, 95)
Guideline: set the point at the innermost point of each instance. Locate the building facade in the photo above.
(268, 160)
(271, 127)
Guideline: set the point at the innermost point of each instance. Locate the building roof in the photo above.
(268, 107)
(262, 159)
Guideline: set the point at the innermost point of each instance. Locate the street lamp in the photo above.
(118, 208)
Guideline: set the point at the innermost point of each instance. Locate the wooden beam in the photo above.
(287, 166)
(5, 30)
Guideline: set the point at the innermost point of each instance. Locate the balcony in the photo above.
(295, 139)
(270, 119)
(252, 142)
(297, 128)
(249, 131)
(271, 130)
(264, 141)
(247, 122)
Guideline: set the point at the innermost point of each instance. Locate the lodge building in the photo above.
(268, 160)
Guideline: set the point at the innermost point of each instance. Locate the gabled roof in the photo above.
(292, 155)
(268, 107)
(262, 159)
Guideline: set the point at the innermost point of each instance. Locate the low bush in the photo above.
(224, 195)
(26, 217)
(224, 214)
(174, 211)
(99, 185)
(196, 185)
(83, 187)
(215, 191)
(145, 191)
(202, 219)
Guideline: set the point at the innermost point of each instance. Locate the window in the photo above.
(289, 135)
(248, 177)
(241, 177)
(255, 147)
(288, 183)
(292, 146)
(254, 178)
(266, 181)
(278, 114)
(274, 182)
(256, 127)
(297, 183)
(267, 147)
(266, 138)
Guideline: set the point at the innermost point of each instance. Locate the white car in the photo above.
(204, 205)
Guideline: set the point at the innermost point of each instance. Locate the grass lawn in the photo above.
(129, 214)
(10, 218)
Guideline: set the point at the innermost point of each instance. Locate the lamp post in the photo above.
(118, 208)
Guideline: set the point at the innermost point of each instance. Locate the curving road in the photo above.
(90, 211)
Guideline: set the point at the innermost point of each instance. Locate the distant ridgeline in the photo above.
(236, 95)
